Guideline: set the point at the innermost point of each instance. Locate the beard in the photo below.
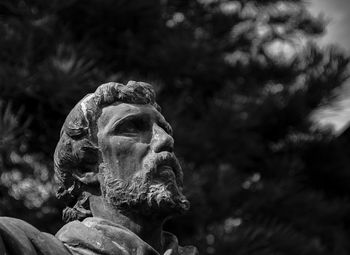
(156, 189)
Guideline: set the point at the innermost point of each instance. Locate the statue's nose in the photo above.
(161, 140)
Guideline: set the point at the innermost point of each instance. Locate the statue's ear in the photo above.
(88, 178)
(88, 182)
(86, 161)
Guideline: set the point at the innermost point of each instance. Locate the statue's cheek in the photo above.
(125, 155)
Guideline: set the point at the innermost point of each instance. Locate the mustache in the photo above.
(154, 163)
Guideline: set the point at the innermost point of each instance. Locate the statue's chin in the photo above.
(168, 197)
(159, 199)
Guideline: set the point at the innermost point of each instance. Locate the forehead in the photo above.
(118, 111)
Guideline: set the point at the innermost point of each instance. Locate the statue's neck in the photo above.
(148, 229)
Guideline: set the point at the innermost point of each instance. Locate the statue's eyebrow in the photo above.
(119, 121)
(159, 120)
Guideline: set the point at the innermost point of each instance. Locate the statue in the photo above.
(119, 176)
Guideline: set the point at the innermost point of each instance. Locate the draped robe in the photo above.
(93, 236)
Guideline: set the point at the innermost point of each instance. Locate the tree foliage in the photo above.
(238, 80)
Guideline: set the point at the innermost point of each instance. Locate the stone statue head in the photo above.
(116, 144)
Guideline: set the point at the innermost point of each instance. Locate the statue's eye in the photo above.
(132, 126)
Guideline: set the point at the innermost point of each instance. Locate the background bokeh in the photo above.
(240, 82)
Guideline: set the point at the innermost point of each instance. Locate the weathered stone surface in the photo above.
(20, 238)
(118, 175)
(103, 236)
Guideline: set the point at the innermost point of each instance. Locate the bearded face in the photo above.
(139, 171)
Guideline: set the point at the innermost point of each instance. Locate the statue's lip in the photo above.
(165, 165)
(168, 163)
(164, 169)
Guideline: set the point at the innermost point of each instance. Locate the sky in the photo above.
(338, 32)
(338, 14)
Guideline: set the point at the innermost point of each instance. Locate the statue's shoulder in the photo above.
(96, 236)
(17, 237)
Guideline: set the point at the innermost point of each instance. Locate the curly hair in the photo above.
(77, 152)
